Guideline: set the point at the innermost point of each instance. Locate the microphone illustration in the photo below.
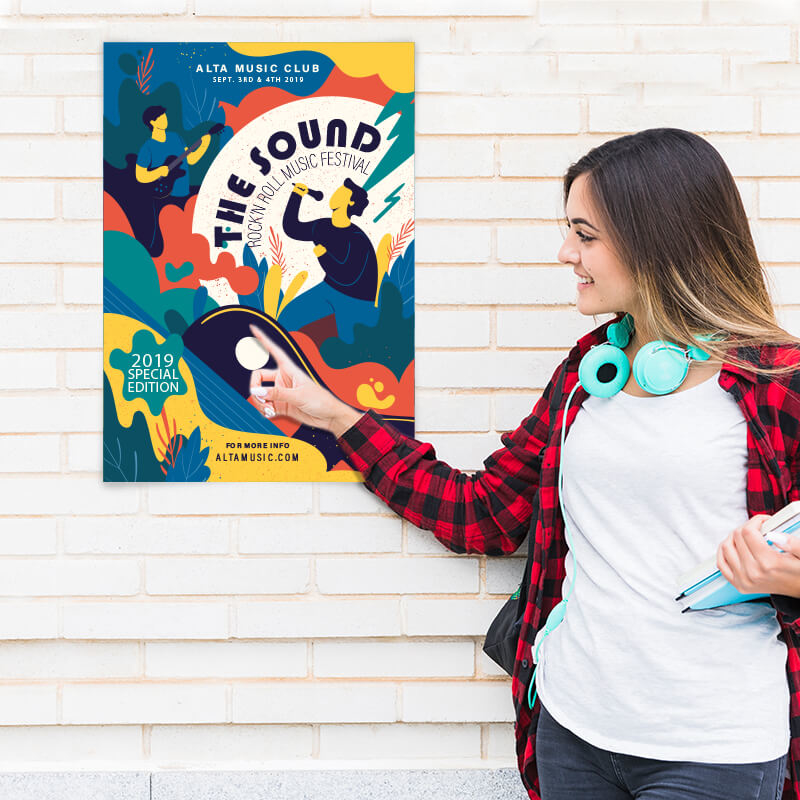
(313, 193)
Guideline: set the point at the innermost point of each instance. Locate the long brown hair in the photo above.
(675, 218)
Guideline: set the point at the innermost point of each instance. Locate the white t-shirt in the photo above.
(652, 485)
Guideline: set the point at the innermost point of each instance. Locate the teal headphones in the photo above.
(659, 367)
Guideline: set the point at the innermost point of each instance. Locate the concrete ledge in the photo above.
(412, 784)
(466, 784)
(83, 785)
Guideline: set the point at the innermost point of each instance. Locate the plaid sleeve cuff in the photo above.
(368, 440)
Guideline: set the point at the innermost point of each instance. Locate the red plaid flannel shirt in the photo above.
(490, 512)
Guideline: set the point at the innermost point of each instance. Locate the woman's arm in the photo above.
(488, 512)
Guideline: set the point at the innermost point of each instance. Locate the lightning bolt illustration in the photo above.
(402, 147)
(391, 201)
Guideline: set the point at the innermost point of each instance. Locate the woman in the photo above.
(635, 699)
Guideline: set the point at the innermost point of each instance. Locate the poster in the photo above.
(253, 183)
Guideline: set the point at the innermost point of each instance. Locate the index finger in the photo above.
(273, 349)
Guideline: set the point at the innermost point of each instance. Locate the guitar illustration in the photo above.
(163, 186)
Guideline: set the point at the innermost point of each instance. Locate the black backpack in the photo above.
(503, 634)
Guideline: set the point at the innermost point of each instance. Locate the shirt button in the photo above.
(525, 662)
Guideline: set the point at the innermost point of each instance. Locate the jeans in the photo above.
(570, 768)
(320, 301)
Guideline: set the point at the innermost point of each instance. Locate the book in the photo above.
(704, 586)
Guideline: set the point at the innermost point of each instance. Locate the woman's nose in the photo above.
(566, 253)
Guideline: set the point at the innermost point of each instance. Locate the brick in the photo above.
(500, 73)
(400, 740)
(65, 496)
(83, 115)
(27, 705)
(67, 36)
(483, 370)
(507, 115)
(777, 200)
(35, 536)
(67, 74)
(488, 668)
(546, 328)
(145, 620)
(627, 12)
(452, 244)
(96, 7)
(506, 199)
(31, 370)
(775, 243)
(56, 577)
(41, 413)
(544, 156)
(85, 452)
(230, 498)
(122, 703)
(50, 329)
(453, 8)
(454, 157)
(699, 113)
(229, 743)
(789, 320)
(69, 744)
(748, 158)
(704, 69)
(289, 619)
(209, 576)
(145, 535)
(503, 575)
(352, 498)
(48, 242)
(293, 701)
(82, 199)
(767, 41)
(28, 285)
(27, 114)
(444, 617)
(784, 284)
(30, 453)
(84, 369)
(52, 157)
(525, 35)
(393, 659)
(34, 620)
(500, 740)
(68, 660)
(531, 244)
(12, 73)
(740, 12)
(450, 411)
(329, 534)
(225, 659)
(302, 8)
(511, 408)
(756, 78)
(389, 575)
(457, 701)
(83, 285)
(448, 329)
(428, 35)
(28, 200)
(779, 115)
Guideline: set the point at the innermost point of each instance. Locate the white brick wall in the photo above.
(184, 625)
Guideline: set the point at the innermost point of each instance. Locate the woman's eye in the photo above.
(583, 237)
